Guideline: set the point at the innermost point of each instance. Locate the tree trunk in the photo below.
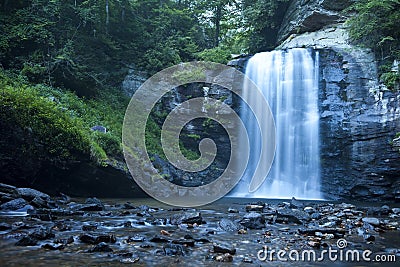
(218, 17)
(108, 16)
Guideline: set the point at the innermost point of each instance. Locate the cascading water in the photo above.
(289, 82)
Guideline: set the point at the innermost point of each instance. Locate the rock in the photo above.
(159, 239)
(99, 128)
(371, 220)
(291, 216)
(173, 250)
(136, 238)
(4, 226)
(316, 216)
(14, 204)
(65, 241)
(29, 194)
(396, 210)
(164, 232)
(89, 227)
(102, 247)
(93, 200)
(91, 207)
(337, 232)
(186, 218)
(106, 239)
(385, 210)
(53, 246)
(232, 210)
(133, 80)
(90, 239)
(42, 234)
(253, 221)
(247, 260)
(40, 202)
(314, 244)
(309, 210)
(295, 204)
(254, 208)
(8, 189)
(221, 249)
(224, 258)
(242, 232)
(369, 237)
(130, 260)
(229, 226)
(26, 208)
(27, 241)
(184, 242)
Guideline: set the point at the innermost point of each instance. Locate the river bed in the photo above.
(231, 231)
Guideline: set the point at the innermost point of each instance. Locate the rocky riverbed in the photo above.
(39, 230)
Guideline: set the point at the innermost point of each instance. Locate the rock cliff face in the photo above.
(359, 117)
(311, 15)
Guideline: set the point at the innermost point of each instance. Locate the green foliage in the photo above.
(110, 143)
(62, 137)
(391, 80)
(190, 75)
(262, 19)
(218, 54)
(376, 25)
(61, 110)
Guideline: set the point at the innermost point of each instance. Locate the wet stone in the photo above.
(53, 246)
(232, 210)
(90, 239)
(254, 208)
(173, 250)
(42, 234)
(186, 218)
(316, 216)
(29, 194)
(184, 242)
(27, 241)
(65, 241)
(223, 258)
(4, 226)
(130, 260)
(14, 204)
(247, 260)
(159, 239)
(102, 247)
(253, 221)
(136, 238)
(222, 249)
(229, 225)
(89, 227)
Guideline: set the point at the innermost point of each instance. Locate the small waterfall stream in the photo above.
(289, 82)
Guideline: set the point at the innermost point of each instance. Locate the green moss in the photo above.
(391, 80)
(62, 120)
(62, 137)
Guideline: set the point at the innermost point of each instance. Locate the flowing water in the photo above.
(289, 81)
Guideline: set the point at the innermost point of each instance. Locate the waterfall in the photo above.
(289, 82)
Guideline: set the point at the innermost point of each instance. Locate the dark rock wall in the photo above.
(358, 122)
